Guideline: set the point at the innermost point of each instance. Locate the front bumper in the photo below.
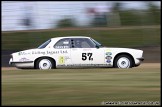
(25, 64)
(141, 59)
(11, 62)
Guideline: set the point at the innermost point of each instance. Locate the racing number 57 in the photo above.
(85, 55)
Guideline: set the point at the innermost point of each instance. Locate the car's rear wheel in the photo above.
(44, 64)
(123, 61)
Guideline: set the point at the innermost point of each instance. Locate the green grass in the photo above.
(136, 37)
(79, 86)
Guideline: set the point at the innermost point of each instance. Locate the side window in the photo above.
(76, 43)
(62, 44)
(82, 43)
(87, 43)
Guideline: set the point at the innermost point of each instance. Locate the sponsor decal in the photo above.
(108, 53)
(67, 57)
(61, 47)
(23, 59)
(108, 61)
(57, 52)
(44, 52)
(50, 52)
(66, 42)
(23, 53)
(61, 60)
(108, 57)
(38, 52)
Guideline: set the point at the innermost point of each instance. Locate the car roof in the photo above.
(69, 37)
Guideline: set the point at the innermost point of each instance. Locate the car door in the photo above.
(62, 52)
(85, 53)
(98, 56)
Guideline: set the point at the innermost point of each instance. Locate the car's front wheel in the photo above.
(44, 64)
(123, 61)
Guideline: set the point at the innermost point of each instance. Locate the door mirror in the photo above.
(97, 47)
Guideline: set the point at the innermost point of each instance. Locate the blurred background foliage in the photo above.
(106, 31)
(133, 17)
(150, 16)
(66, 22)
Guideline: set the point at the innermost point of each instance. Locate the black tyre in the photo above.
(123, 61)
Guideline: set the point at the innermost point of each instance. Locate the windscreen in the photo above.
(97, 43)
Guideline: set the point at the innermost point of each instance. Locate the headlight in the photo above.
(11, 59)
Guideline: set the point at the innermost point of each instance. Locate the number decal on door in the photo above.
(85, 55)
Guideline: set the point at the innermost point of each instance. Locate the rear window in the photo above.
(44, 44)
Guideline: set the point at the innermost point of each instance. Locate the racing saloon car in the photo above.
(76, 51)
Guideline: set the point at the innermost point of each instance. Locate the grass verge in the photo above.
(79, 86)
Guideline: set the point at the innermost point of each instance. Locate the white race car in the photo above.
(76, 51)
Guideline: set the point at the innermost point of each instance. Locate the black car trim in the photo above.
(141, 59)
(23, 62)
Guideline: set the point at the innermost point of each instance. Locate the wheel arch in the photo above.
(53, 60)
(124, 53)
